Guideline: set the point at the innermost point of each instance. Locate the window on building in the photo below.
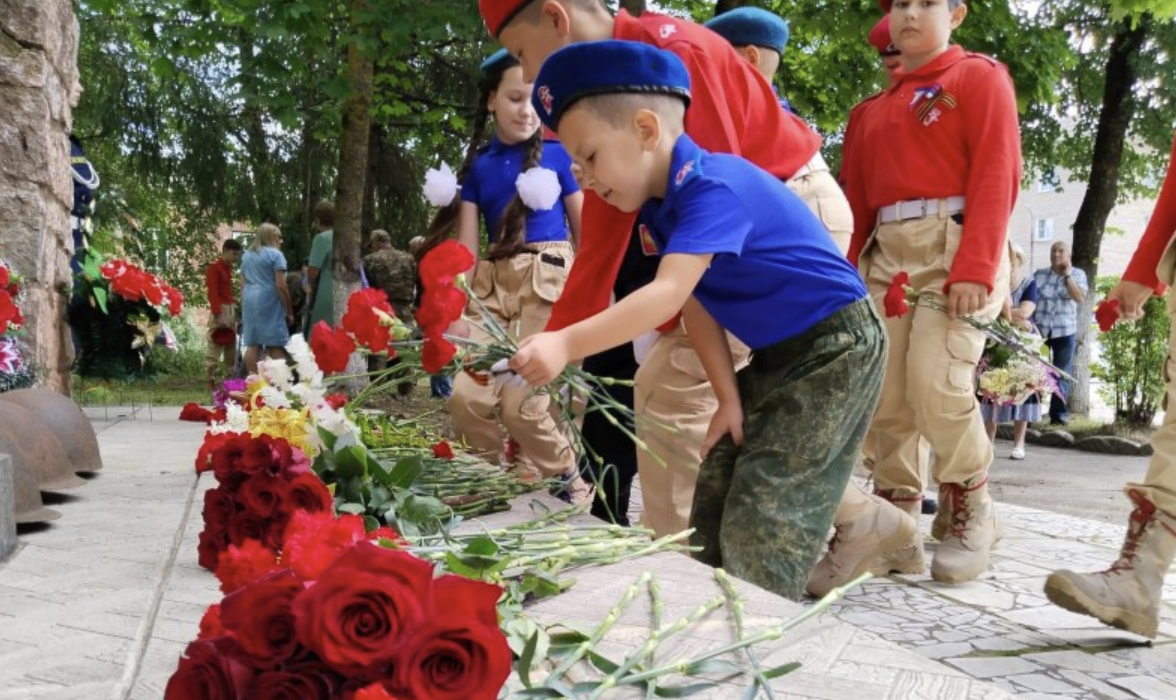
(1049, 181)
(1043, 230)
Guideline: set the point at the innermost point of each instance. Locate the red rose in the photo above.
(210, 545)
(363, 323)
(1107, 314)
(331, 347)
(364, 607)
(289, 685)
(275, 533)
(260, 618)
(308, 492)
(211, 442)
(219, 507)
(895, 301)
(314, 541)
(262, 495)
(443, 263)
(436, 352)
(442, 450)
(375, 691)
(211, 669)
(238, 565)
(246, 526)
(226, 457)
(9, 314)
(455, 659)
(465, 598)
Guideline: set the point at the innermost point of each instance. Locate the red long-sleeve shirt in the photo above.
(218, 279)
(732, 110)
(949, 128)
(1159, 232)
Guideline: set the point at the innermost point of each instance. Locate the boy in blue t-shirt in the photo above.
(738, 252)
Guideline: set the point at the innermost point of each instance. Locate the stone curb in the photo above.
(1105, 444)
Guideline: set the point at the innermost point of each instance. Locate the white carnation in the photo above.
(440, 185)
(274, 397)
(538, 188)
(276, 372)
(236, 420)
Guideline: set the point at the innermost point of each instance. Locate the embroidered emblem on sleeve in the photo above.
(667, 30)
(685, 170)
(648, 245)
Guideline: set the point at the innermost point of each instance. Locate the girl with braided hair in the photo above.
(521, 270)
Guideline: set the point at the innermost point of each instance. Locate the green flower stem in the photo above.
(655, 615)
(767, 635)
(735, 601)
(605, 625)
(656, 637)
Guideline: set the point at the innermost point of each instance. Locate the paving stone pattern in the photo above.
(101, 603)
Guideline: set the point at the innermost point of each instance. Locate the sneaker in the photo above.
(1017, 453)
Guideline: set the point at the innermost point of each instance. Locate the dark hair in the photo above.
(324, 213)
(511, 227)
(231, 244)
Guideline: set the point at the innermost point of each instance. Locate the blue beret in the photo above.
(499, 61)
(751, 26)
(605, 68)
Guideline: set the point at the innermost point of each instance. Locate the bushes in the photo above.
(188, 359)
(1131, 365)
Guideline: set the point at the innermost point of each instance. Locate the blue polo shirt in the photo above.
(775, 272)
(490, 184)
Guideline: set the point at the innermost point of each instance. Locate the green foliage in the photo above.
(1132, 363)
(187, 360)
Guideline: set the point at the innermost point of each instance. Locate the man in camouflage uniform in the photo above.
(393, 271)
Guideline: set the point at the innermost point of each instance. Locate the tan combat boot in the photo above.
(873, 528)
(908, 559)
(965, 551)
(1127, 595)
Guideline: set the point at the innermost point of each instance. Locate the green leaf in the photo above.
(781, 670)
(711, 666)
(524, 665)
(352, 508)
(406, 472)
(370, 523)
(539, 693)
(604, 665)
(351, 462)
(328, 438)
(100, 297)
(481, 546)
(681, 691)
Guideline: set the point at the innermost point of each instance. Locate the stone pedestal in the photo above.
(7, 509)
(38, 86)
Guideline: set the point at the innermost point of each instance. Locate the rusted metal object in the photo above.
(70, 426)
(42, 454)
(26, 486)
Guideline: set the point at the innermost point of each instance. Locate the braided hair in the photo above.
(511, 233)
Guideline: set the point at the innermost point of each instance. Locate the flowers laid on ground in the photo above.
(10, 316)
(15, 373)
(372, 620)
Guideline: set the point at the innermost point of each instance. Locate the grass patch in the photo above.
(1081, 427)
(158, 391)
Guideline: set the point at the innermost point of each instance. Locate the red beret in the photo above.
(497, 13)
(880, 37)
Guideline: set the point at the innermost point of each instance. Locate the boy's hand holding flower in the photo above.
(541, 357)
(966, 299)
(1131, 297)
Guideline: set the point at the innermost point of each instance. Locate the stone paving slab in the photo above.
(101, 603)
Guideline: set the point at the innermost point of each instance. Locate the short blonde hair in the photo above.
(266, 235)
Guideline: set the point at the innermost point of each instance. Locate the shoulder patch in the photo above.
(685, 172)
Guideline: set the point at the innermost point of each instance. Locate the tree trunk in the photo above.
(1118, 109)
(353, 155)
(262, 195)
(634, 7)
(373, 219)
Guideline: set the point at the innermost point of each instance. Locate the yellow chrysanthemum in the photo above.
(253, 386)
(287, 423)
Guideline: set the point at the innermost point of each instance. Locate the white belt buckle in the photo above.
(922, 201)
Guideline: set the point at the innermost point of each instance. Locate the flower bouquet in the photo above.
(117, 311)
(1009, 378)
(15, 373)
(369, 622)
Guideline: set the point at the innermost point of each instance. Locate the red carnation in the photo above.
(211, 669)
(364, 323)
(896, 296)
(9, 314)
(238, 565)
(175, 300)
(436, 353)
(443, 263)
(442, 450)
(314, 540)
(337, 400)
(331, 346)
(210, 623)
(260, 617)
(1107, 314)
(439, 308)
(360, 613)
(4, 277)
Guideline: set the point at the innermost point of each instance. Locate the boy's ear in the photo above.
(554, 12)
(649, 128)
(750, 53)
(958, 15)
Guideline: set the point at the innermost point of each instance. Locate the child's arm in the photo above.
(710, 342)
(467, 227)
(542, 357)
(574, 205)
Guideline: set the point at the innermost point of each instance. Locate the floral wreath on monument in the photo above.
(15, 371)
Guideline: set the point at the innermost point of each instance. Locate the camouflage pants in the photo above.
(763, 510)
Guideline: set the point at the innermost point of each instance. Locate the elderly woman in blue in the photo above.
(520, 271)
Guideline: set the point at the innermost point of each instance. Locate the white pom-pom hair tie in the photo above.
(440, 185)
(538, 188)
